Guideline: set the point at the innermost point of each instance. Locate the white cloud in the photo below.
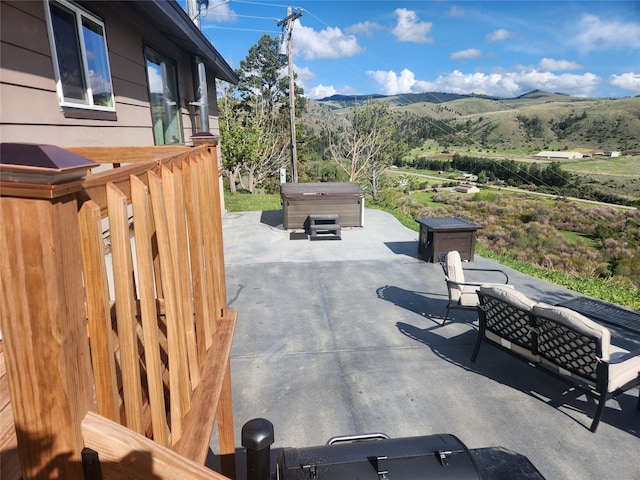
(455, 12)
(218, 12)
(553, 65)
(320, 91)
(503, 84)
(155, 79)
(466, 54)
(627, 81)
(499, 35)
(327, 43)
(480, 83)
(304, 75)
(363, 28)
(409, 28)
(577, 85)
(592, 33)
(392, 83)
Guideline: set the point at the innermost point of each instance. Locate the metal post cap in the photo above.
(257, 434)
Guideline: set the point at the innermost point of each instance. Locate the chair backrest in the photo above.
(570, 341)
(506, 313)
(453, 271)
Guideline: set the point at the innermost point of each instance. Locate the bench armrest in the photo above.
(625, 357)
(493, 270)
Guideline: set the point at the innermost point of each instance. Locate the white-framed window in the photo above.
(162, 77)
(80, 60)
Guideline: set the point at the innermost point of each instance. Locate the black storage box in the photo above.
(441, 235)
(441, 456)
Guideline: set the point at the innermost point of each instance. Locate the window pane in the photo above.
(99, 76)
(163, 95)
(67, 46)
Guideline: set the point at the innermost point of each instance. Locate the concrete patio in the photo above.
(345, 337)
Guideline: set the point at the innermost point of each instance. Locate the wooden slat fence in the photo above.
(150, 238)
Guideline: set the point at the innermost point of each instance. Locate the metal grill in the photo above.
(606, 312)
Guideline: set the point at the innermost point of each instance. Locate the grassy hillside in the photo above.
(535, 121)
(436, 125)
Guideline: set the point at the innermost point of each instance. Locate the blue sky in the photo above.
(499, 48)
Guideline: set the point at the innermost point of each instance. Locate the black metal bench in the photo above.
(324, 225)
(558, 341)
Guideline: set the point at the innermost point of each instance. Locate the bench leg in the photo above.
(596, 418)
(476, 349)
(446, 316)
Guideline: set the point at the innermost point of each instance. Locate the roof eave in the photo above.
(195, 40)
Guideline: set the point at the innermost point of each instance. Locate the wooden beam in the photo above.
(126, 454)
(45, 336)
(199, 421)
(128, 154)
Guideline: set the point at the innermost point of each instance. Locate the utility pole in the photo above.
(288, 21)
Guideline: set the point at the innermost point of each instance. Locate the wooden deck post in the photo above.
(42, 304)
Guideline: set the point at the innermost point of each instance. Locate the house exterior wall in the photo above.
(30, 111)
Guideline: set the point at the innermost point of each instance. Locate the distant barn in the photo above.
(466, 189)
(560, 155)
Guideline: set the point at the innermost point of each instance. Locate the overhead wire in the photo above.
(438, 125)
(353, 69)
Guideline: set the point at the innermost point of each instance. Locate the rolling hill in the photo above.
(537, 120)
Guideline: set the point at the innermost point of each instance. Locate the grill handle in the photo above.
(356, 438)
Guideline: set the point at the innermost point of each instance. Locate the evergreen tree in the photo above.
(254, 117)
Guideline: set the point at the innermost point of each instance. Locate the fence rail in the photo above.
(115, 319)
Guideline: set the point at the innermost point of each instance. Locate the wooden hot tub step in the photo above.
(324, 226)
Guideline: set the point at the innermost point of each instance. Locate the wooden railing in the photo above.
(116, 329)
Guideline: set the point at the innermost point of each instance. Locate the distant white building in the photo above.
(466, 189)
(614, 153)
(560, 155)
(469, 177)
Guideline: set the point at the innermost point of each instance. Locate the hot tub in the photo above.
(299, 200)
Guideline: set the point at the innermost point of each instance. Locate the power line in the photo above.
(254, 17)
(265, 4)
(403, 96)
(212, 27)
(357, 70)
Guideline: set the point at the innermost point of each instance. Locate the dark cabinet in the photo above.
(441, 235)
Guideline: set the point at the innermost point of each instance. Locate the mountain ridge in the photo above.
(443, 97)
(535, 120)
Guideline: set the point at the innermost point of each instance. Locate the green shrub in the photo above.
(485, 196)
(387, 198)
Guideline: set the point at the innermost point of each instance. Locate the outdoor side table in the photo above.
(441, 235)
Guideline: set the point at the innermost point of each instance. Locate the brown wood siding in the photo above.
(23, 24)
(26, 67)
(24, 105)
(53, 134)
(30, 111)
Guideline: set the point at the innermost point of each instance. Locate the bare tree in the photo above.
(363, 149)
(271, 144)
